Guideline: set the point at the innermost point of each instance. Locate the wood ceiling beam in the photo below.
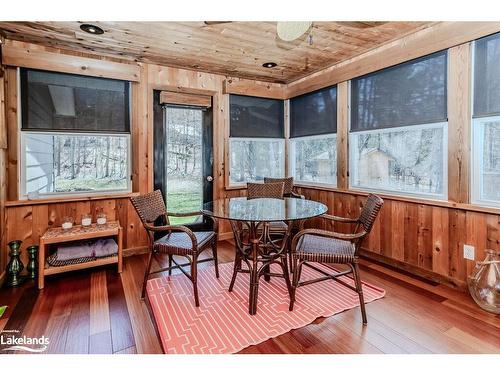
(58, 62)
(248, 87)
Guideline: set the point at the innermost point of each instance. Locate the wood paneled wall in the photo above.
(424, 239)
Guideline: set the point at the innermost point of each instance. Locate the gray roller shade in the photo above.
(487, 76)
(411, 93)
(253, 117)
(67, 102)
(314, 113)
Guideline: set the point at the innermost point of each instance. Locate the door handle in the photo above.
(210, 178)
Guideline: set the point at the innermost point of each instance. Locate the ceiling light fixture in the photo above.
(289, 31)
(91, 29)
(269, 65)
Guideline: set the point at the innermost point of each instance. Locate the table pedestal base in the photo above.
(258, 253)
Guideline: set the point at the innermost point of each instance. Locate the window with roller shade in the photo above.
(486, 122)
(313, 137)
(75, 134)
(398, 128)
(257, 139)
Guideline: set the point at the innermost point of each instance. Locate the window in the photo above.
(256, 143)
(75, 134)
(313, 143)
(398, 139)
(486, 122)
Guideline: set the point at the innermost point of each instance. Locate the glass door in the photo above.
(184, 170)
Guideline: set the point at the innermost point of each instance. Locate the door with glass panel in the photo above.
(183, 162)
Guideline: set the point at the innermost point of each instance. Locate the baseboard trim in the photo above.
(412, 270)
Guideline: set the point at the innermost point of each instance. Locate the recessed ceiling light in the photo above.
(269, 65)
(91, 29)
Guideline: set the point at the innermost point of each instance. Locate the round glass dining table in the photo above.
(262, 229)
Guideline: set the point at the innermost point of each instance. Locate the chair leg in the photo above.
(359, 288)
(297, 269)
(286, 274)
(236, 268)
(170, 264)
(146, 274)
(194, 279)
(214, 254)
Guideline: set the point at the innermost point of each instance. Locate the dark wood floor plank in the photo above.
(100, 343)
(129, 350)
(57, 325)
(145, 336)
(20, 314)
(40, 315)
(121, 328)
(79, 320)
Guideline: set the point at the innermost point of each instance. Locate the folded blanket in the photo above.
(70, 252)
(105, 247)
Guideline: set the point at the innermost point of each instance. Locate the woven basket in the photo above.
(52, 260)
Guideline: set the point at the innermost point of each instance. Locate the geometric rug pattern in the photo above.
(222, 325)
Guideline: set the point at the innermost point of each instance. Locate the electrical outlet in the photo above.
(469, 252)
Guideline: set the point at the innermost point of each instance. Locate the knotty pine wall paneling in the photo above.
(425, 239)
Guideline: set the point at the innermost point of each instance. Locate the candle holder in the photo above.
(101, 219)
(67, 223)
(86, 220)
(32, 266)
(15, 266)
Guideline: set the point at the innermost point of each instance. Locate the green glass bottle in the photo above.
(32, 266)
(15, 266)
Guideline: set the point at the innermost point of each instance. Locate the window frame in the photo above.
(23, 195)
(478, 126)
(408, 194)
(282, 142)
(23, 100)
(477, 144)
(292, 161)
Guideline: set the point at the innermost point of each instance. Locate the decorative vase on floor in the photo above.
(32, 266)
(484, 282)
(15, 266)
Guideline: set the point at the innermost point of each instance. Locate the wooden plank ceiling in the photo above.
(236, 49)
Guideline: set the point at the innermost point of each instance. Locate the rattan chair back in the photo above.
(150, 207)
(270, 190)
(370, 211)
(287, 183)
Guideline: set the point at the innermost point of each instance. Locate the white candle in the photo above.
(101, 220)
(67, 225)
(86, 221)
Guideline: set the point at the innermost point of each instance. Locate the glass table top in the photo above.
(264, 209)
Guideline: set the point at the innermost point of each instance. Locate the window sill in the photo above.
(27, 202)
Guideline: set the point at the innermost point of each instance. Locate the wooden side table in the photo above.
(77, 233)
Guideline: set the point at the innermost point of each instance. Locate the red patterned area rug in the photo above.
(222, 324)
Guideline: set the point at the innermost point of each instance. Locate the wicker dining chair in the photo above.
(269, 190)
(321, 246)
(287, 187)
(179, 239)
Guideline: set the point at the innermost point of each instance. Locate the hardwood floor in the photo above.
(97, 311)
